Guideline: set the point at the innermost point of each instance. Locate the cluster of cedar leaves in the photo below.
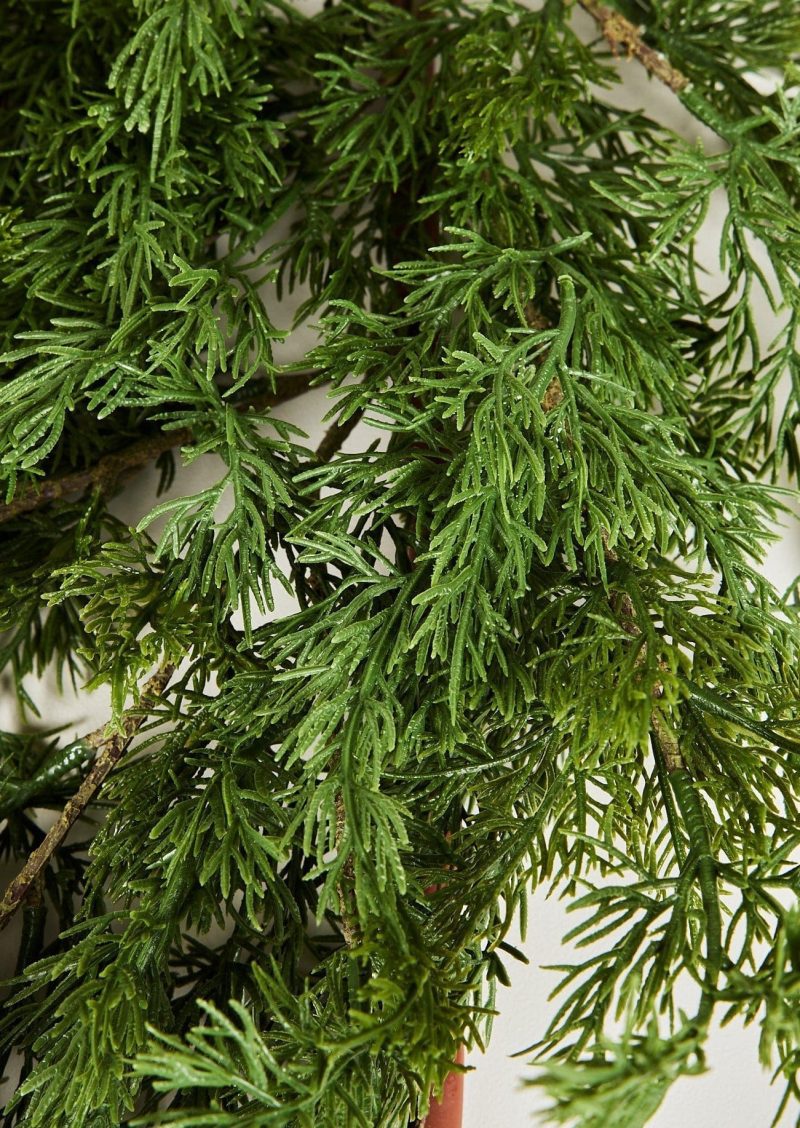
(533, 643)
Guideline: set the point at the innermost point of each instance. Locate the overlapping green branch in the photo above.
(533, 642)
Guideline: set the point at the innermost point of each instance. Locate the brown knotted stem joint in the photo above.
(113, 468)
(110, 749)
(624, 36)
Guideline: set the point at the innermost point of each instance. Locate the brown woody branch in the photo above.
(335, 436)
(348, 919)
(110, 749)
(111, 469)
(620, 33)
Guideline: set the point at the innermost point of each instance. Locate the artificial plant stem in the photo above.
(621, 33)
(348, 919)
(332, 441)
(667, 796)
(335, 437)
(110, 749)
(111, 469)
(449, 1111)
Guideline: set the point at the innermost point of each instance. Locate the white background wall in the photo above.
(735, 1092)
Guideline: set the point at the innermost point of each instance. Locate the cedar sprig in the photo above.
(532, 643)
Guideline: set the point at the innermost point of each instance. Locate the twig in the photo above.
(667, 743)
(620, 32)
(349, 924)
(109, 751)
(104, 474)
(336, 435)
(115, 467)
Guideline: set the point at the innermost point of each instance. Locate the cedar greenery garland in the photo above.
(533, 643)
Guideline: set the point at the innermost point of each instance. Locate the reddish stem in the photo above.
(449, 1111)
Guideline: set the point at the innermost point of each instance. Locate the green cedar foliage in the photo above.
(532, 644)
